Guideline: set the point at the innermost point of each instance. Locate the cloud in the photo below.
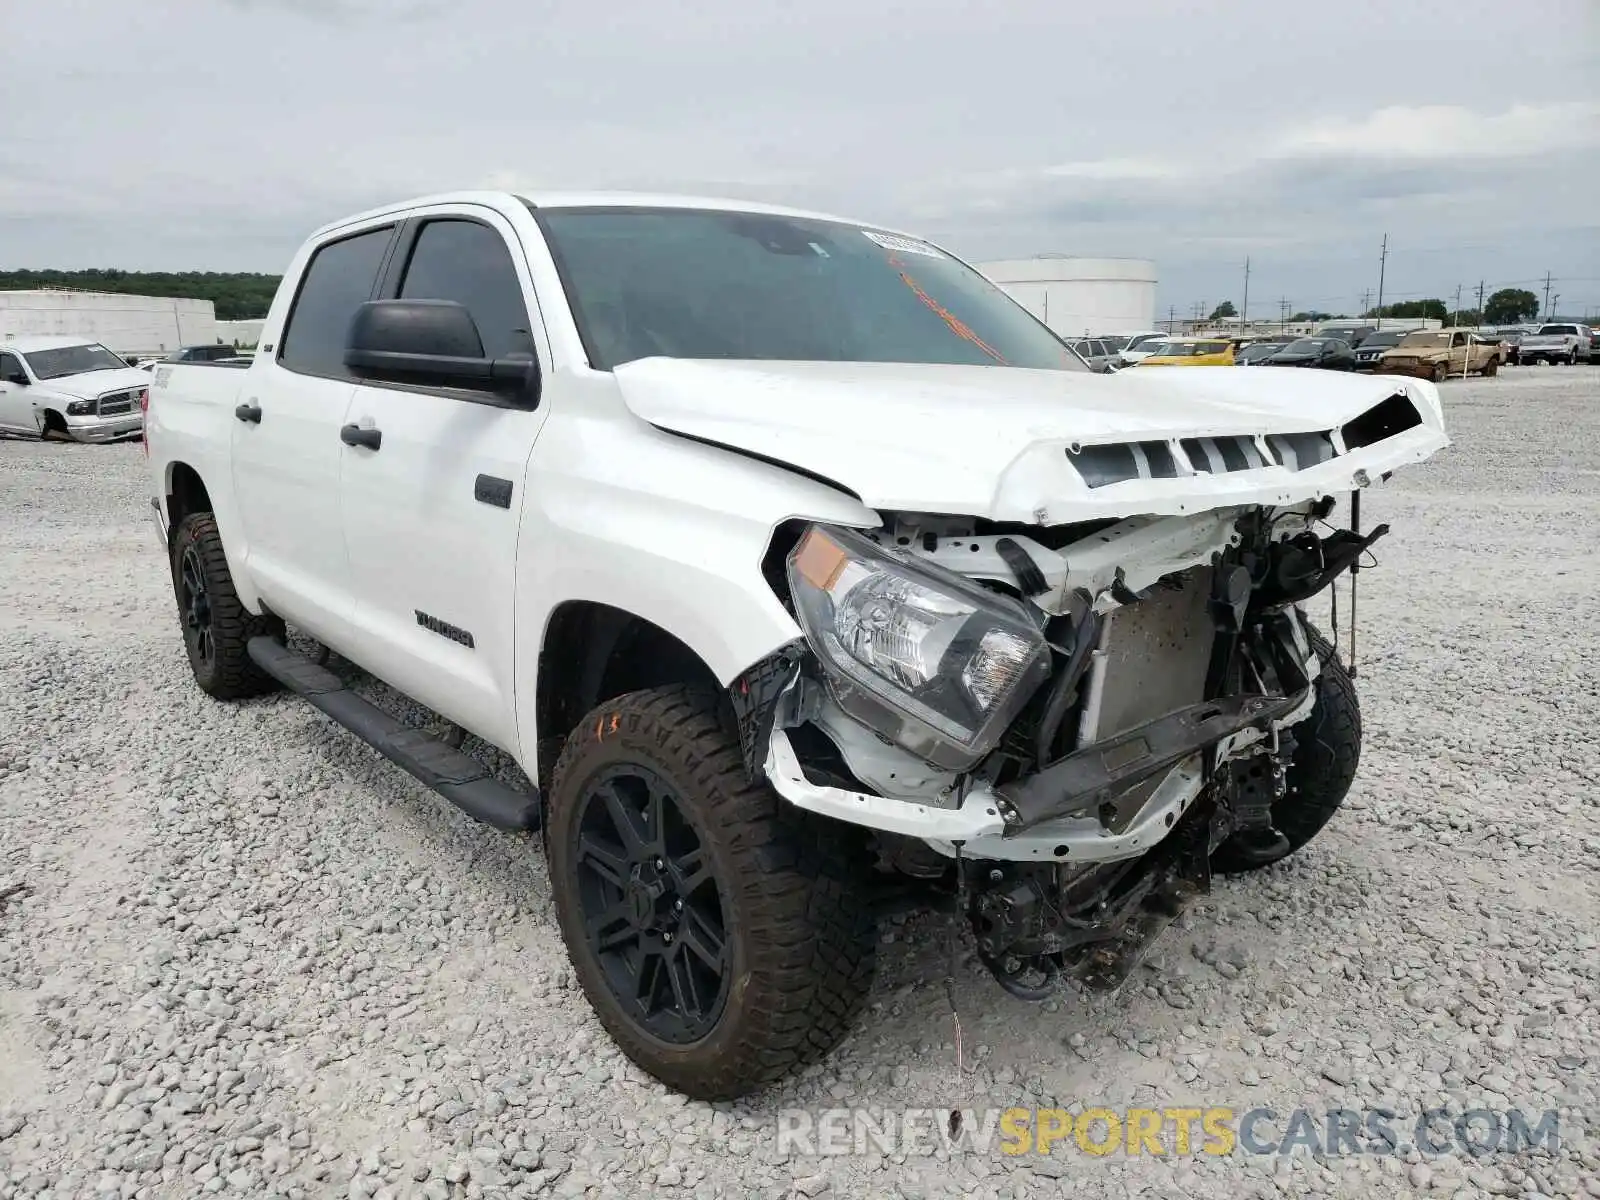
(1440, 132)
(192, 133)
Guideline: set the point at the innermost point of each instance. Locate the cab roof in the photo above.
(554, 200)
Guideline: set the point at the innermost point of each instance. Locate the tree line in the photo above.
(1508, 306)
(237, 296)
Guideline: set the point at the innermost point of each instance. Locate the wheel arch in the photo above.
(591, 652)
(186, 493)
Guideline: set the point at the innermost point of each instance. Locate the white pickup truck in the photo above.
(66, 387)
(803, 572)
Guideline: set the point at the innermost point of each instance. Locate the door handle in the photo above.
(355, 435)
(250, 413)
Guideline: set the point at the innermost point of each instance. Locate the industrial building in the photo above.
(1080, 296)
(137, 325)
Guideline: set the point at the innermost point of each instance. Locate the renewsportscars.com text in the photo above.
(1166, 1132)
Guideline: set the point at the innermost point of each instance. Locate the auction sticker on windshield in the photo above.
(906, 245)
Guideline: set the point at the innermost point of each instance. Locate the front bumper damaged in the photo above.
(1054, 814)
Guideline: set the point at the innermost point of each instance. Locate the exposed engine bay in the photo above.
(1059, 744)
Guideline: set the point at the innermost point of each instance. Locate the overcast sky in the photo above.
(214, 134)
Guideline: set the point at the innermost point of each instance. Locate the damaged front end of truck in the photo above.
(1060, 725)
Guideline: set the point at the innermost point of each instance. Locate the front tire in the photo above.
(1492, 368)
(1326, 755)
(216, 625)
(1441, 372)
(722, 937)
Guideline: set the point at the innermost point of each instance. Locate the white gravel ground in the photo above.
(239, 953)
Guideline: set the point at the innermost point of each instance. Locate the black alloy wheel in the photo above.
(651, 904)
(194, 604)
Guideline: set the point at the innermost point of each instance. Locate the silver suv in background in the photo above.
(1097, 352)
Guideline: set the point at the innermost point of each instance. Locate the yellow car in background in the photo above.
(1191, 352)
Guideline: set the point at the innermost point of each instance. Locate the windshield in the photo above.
(1261, 349)
(1425, 339)
(1380, 339)
(1114, 344)
(1145, 343)
(703, 284)
(1305, 345)
(1558, 330)
(72, 360)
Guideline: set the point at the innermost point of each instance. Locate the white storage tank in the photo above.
(121, 323)
(1081, 296)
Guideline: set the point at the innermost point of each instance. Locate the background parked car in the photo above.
(1328, 353)
(1374, 344)
(1352, 333)
(1438, 354)
(1253, 354)
(1562, 342)
(1140, 347)
(69, 388)
(1096, 353)
(202, 354)
(1190, 352)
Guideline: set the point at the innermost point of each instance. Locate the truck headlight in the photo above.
(925, 657)
(80, 408)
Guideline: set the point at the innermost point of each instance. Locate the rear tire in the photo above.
(216, 625)
(661, 849)
(1326, 755)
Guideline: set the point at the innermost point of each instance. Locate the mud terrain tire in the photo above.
(784, 904)
(1327, 752)
(216, 625)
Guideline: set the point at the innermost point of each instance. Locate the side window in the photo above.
(469, 263)
(1097, 349)
(338, 280)
(10, 367)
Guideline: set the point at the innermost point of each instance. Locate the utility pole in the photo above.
(1383, 262)
(1283, 313)
(1366, 302)
(1548, 310)
(1244, 308)
(1455, 318)
(1172, 318)
(1480, 302)
(1553, 304)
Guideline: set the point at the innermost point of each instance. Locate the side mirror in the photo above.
(436, 342)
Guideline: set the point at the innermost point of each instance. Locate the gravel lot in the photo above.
(240, 953)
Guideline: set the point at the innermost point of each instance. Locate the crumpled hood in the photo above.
(96, 383)
(996, 442)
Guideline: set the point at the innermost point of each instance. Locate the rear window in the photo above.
(339, 279)
(1558, 330)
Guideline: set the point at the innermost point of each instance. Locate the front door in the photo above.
(431, 515)
(287, 454)
(17, 413)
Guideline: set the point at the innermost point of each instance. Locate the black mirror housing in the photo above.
(433, 342)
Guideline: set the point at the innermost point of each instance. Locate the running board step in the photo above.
(457, 777)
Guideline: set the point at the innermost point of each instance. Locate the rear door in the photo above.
(430, 517)
(286, 449)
